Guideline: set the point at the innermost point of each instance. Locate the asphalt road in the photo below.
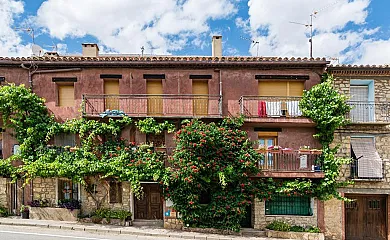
(33, 233)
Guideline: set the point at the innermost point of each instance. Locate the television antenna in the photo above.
(54, 47)
(29, 31)
(253, 43)
(37, 50)
(310, 24)
(142, 51)
(151, 47)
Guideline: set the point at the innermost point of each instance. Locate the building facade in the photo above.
(366, 141)
(266, 91)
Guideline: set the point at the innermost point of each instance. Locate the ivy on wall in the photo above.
(213, 173)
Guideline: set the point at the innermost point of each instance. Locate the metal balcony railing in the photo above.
(144, 105)
(369, 112)
(293, 161)
(256, 106)
(363, 173)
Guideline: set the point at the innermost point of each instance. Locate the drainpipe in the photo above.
(220, 90)
(31, 73)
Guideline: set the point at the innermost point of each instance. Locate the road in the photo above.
(34, 233)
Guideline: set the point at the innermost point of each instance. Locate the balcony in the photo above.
(146, 105)
(272, 109)
(369, 112)
(290, 164)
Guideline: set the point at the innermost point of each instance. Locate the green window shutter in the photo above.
(293, 205)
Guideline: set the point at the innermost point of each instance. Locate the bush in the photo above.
(69, 204)
(112, 214)
(279, 226)
(39, 203)
(3, 212)
(285, 227)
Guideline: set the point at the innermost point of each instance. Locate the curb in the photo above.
(118, 231)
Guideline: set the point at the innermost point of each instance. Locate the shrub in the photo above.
(39, 203)
(313, 229)
(296, 228)
(3, 212)
(69, 204)
(279, 226)
(112, 214)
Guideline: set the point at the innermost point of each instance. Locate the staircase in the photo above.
(148, 223)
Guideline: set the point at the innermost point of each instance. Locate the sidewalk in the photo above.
(135, 231)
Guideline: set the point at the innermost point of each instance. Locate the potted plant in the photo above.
(261, 149)
(25, 212)
(287, 150)
(275, 149)
(304, 150)
(316, 151)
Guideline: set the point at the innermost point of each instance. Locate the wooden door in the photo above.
(155, 101)
(201, 102)
(365, 218)
(150, 206)
(266, 140)
(111, 89)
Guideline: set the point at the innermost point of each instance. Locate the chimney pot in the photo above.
(217, 46)
(90, 50)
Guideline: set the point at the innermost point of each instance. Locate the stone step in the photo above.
(250, 232)
(148, 223)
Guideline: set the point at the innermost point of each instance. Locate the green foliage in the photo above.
(150, 126)
(285, 227)
(112, 214)
(328, 109)
(279, 226)
(214, 159)
(3, 211)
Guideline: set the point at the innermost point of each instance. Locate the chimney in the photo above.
(216, 47)
(90, 50)
(51, 54)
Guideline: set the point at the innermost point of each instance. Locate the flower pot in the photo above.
(316, 152)
(274, 151)
(304, 151)
(25, 215)
(261, 150)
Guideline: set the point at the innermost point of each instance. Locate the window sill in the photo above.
(299, 216)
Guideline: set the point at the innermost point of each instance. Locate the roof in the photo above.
(359, 70)
(168, 61)
(349, 66)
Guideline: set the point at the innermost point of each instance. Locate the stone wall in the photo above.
(333, 217)
(262, 220)
(4, 193)
(88, 204)
(45, 188)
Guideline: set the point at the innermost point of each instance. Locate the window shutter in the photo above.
(200, 103)
(292, 205)
(369, 163)
(359, 93)
(115, 192)
(295, 89)
(155, 103)
(66, 95)
(272, 88)
(111, 87)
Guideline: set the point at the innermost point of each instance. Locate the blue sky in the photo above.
(353, 31)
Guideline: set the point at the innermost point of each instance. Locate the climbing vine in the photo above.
(328, 109)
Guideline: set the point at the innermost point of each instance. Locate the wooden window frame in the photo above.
(115, 191)
(57, 90)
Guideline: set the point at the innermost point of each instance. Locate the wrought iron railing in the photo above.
(256, 106)
(165, 105)
(368, 112)
(290, 161)
(365, 173)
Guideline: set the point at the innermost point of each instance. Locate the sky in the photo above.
(344, 31)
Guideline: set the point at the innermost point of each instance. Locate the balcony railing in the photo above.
(292, 161)
(256, 106)
(364, 173)
(369, 112)
(165, 105)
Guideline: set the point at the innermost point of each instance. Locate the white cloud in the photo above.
(269, 23)
(10, 41)
(125, 26)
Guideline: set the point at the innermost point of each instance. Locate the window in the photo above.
(366, 164)
(67, 190)
(66, 95)
(154, 88)
(289, 206)
(205, 197)
(200, 103)
(111, 89)
(362, 101)
(65, 139)
(265, 140)
(281, 88)
(115, 193)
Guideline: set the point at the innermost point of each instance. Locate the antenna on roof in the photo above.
(37, 50)
(313, 14)
(142, 51)
(254, 43)
(54, 47)
(29, 31)
(333, 59)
